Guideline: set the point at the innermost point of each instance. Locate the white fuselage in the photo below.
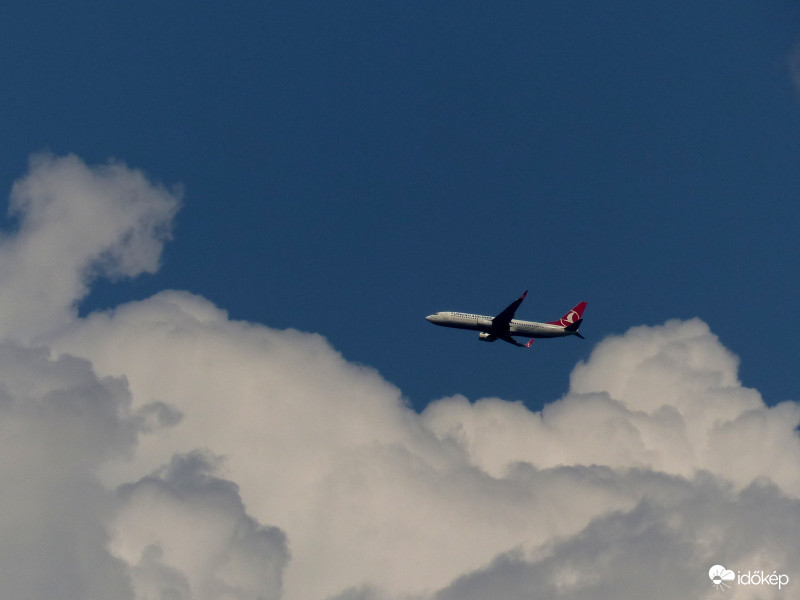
(483, 323)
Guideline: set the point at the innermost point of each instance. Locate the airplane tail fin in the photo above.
(573, 317)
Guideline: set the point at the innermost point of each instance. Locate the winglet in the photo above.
(530, 341)
(501, 321)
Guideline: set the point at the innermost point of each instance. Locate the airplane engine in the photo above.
(486, 337)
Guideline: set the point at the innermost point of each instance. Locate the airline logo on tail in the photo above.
(573, 316)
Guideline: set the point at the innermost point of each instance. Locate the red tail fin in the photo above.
(571, 317)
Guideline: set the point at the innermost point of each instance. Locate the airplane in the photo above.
(505, 327)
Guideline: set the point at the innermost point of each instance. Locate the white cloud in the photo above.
(660, 549)
(665, 398)
(58, 423)
(75, 223)
(61, 423)
(382, 502)
(656, 465)
(186, 534)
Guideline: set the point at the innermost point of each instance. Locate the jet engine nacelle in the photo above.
(486, 337)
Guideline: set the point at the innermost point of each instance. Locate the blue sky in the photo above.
(343, 170)
(349, 168)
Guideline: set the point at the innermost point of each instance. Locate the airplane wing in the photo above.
(502, 321)
(510, 340)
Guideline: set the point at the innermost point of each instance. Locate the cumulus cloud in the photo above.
(665, 398)
(66, 534)
(655, 550)
(74, 223)
(205, 458)
(59, 423)
(185, 534)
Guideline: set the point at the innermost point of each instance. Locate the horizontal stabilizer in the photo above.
(574, 326)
